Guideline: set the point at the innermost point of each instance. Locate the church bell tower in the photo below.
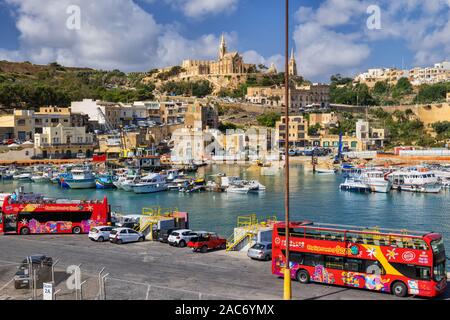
(223, 48)
(293, 65)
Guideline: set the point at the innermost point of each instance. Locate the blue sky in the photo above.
(330, 36)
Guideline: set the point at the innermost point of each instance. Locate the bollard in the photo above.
(53, 270)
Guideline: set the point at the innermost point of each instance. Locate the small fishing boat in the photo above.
(325, 171)
(81, 179)
(39, 178)
(25, 176)
(105, 182)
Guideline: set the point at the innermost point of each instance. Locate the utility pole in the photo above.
(287, 270)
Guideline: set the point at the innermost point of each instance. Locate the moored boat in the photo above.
(81, 179)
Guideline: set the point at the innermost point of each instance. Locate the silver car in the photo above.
(261, 251)
(123, 235)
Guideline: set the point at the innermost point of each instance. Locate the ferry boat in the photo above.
(81, 179)
(376, 181)
(423, 181)
(150, 184)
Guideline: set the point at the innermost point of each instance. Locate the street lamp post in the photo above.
(287, 270)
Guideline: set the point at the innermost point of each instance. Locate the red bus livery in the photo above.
(395, 261)
(33, 214)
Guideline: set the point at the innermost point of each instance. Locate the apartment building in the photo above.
(371, 138)
(298, 131)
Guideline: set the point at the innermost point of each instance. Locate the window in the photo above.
(334, 262)
(355, 265)
(313, 260)
(295, 256)
(412, 271)
(373, 267)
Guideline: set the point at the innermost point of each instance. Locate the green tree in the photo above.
(268, 119)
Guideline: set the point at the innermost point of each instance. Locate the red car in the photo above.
(208, 241)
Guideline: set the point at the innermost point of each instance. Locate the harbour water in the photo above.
(313, 197)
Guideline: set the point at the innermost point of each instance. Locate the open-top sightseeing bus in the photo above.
(396, 261)
(29, 213)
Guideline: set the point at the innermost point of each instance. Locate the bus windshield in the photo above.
(437, 246)
(439, 271)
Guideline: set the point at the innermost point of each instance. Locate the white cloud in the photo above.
(114, 34)
(200, 8)
(334, 38)
(254, 57)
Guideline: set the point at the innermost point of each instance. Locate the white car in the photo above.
(124, 235)
(181, 237)
(100, 234)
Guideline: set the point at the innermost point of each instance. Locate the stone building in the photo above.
(64, 142)
(314, 95)
(202, 116)
(228, 63)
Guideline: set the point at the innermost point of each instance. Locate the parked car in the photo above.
(207, 241)
(124, 235)
(41, 263)
(261, 251)
(100, 234)
(180, 238)
(163, 235)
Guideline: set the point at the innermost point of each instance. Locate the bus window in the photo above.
(412, 271)
(296, 257)
(298, 232)
(355, 265)
(374, 267)
(313, 260)
(334, 262)
(312, 234)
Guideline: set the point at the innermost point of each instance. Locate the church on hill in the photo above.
(228, 63)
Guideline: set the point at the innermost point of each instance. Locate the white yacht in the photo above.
(376, 181)
(150, 184)
(415, 181)
(126, 179)
(238, 189)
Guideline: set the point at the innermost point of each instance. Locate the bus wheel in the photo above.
(399, 289)
(25, 231)
(303, 276)
(76, 230)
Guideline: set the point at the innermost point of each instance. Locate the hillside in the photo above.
(30, 86)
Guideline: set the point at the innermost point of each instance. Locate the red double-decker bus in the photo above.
(34, 214)
(396, 261)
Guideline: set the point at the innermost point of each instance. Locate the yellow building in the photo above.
(64, 142)
(24, 124)
(298, 131)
